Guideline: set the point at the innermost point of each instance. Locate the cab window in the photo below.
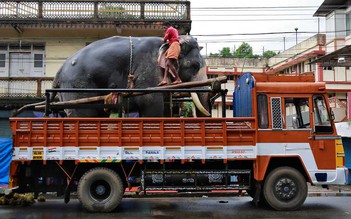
(321, 115)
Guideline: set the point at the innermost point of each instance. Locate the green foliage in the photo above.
(187, 109)
(111, 10)
(269, 54)
(214, 55)
(224, 53)
(244, 50)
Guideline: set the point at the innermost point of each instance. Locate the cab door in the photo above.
(324, 135)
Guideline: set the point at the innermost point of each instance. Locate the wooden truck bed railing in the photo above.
(79, 132)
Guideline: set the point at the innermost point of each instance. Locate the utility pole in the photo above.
(284, 42)
(296, 33)
(206, 50)
(263, 51)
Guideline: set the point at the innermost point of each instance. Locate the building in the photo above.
(327, 56)
(36, 37)
(336, 63)
(232, 68)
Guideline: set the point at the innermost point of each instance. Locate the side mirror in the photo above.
(295, 123)
(332, 114)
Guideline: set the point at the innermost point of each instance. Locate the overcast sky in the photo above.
(222, 23)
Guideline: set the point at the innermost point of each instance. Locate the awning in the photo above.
(329, 6)
(296, 60)
(338, 58)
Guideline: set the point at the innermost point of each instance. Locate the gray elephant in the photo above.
(107, 63)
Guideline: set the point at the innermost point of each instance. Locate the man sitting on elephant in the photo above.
(172, 54)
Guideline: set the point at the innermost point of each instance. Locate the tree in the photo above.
(224, 53)
(111, 10)
(214, 55)
(269, 54)
(244, 50)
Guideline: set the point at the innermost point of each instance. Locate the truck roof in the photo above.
(290, 87)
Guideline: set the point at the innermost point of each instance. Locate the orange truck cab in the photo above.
(281, 136)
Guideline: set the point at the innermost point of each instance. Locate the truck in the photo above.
(280, 138)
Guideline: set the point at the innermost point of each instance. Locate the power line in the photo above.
(263, 19)
(260, 7)
(268, 7)
(250, 15)
(272, 33)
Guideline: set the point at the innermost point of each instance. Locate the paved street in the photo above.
(324, 206)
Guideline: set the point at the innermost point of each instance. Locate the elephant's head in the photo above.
(192, 67)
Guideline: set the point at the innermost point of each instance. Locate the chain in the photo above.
(131, 55)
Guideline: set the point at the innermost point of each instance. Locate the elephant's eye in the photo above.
(196, 66)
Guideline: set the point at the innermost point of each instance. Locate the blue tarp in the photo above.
(242, 101)
(346, 142)
(5, 160)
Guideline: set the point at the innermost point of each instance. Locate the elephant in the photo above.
(106, 63)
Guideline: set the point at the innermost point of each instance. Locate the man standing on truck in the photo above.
(172, 54)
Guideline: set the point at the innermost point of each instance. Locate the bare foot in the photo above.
(162, 83)
(177, 81)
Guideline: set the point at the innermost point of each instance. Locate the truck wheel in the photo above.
(100, 190)
(285, 188)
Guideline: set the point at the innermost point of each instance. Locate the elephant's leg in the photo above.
(151, 105)
(81, 111)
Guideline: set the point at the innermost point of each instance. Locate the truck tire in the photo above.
(100, 190)
(285, 188)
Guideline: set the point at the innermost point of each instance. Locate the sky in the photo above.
(265, 25)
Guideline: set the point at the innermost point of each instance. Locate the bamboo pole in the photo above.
(212, 81)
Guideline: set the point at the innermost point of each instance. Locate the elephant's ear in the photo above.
(184, 39)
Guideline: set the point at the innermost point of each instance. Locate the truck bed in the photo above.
(36, 138)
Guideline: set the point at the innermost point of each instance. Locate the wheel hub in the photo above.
(285, 189)
(100, 190)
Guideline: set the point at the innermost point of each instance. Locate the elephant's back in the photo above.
(108, 56)
(115, 51)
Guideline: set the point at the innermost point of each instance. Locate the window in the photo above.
(22, 59)
(262, 109)
(348, 23)
(321, 115)
(297, 113)
(2, 60)
(38, 60)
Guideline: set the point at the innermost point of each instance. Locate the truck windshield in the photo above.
(321, 115)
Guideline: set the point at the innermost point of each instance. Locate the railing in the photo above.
(92, 9)
(133, 132)
(24, 87)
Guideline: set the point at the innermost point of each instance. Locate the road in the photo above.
(184, 207)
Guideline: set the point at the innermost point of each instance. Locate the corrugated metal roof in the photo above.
(331, 59)
(329, 6)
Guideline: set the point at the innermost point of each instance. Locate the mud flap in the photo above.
(257, 197)
(68, 193)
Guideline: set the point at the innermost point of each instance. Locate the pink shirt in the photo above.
(171, 35)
